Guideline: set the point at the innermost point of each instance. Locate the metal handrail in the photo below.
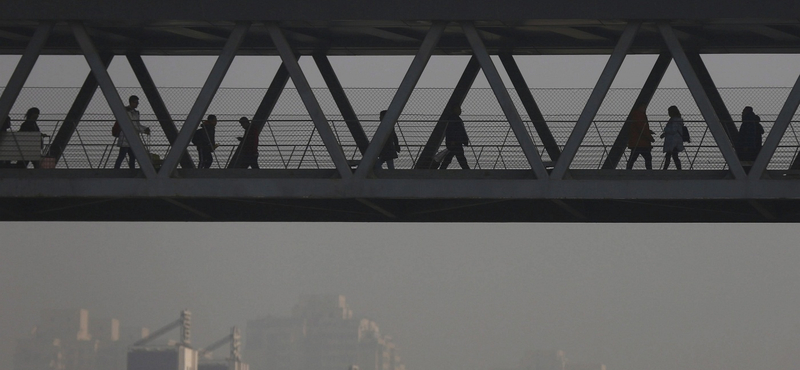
(294, 143)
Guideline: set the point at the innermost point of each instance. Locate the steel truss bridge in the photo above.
(549, 188)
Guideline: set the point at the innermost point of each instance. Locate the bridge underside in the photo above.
(349, 38)
(399, 196)
(549, 185)
(397, 210)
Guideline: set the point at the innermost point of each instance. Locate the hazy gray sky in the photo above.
(442, 71)
(454, 297)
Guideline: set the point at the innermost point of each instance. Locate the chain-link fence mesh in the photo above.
(290, 140)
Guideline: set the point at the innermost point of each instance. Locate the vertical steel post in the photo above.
(113, 99)
(310, 101)
(339, 96)
(524, 93)
(595, 100)
(204, 99)
(645, 95)
(24, 68)
(159, 108)
(702, 100)
(400, 99)
(501, 93)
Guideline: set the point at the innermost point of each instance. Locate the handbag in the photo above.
(439, 156)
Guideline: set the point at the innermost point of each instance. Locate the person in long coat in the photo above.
(390, 149)
(750, 134)
(673, 137)
(640, 138)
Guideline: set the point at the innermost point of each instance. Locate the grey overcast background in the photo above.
(453, 296)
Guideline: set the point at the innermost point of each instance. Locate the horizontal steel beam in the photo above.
(439, 188)
(332, 10)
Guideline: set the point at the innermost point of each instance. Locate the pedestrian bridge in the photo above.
(536, 156)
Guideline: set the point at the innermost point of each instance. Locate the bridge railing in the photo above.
(296, 144)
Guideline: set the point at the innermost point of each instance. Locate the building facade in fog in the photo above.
(70, 340)
(553, 360)
(570, 366)
(543, 360)
(320, 334)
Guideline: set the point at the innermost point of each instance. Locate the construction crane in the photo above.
(234, 338)
(184, 322)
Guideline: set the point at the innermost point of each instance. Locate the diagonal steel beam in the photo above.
(595, 100)
(400, 99)
(24, 68)
(776, 133)
(702, 100)
(310, 101)
(76, 111)
(501, 93)
(204, 99)
(645, 95)
(713, 95)
(159, 108)
(264, 109)
(425, 160)
(339, 96)
(113, 99)
(524, 93)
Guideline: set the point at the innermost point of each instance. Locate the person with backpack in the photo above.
(204, 139)
(122, 141)
(30, 125)
(750, 133)
(673, 137)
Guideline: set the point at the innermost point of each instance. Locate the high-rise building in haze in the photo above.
(543, 360)
(553, 360)
(320, 334)
(570, 366)
(70, 340)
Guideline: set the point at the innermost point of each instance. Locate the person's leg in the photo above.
(462, 159)
(390, 163)
(648, 159)
(205, 157)
(254, 162)
(379, 164)
(131, 159)
(677, 159)
(666, 160)
(120, 158)
(632, 158)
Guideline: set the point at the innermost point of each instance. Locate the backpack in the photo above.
(116, 129)
(197, 139)
(685, 135)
